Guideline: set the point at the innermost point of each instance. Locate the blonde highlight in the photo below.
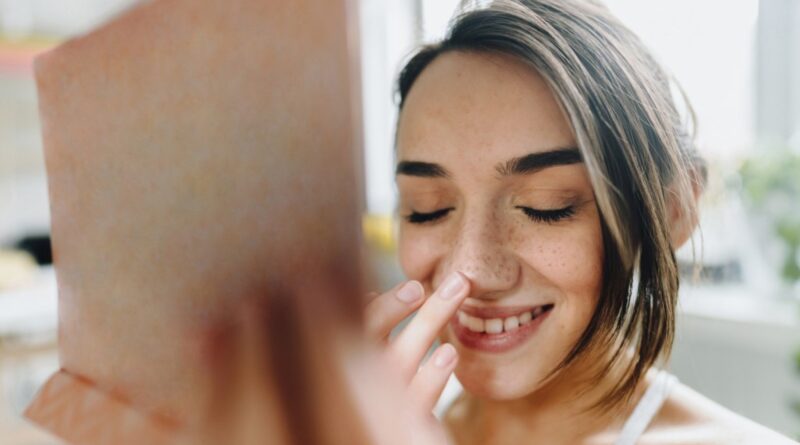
(638, 152)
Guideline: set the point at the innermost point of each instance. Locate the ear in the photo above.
(682, 210)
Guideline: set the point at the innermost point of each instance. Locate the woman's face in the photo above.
(491, 185)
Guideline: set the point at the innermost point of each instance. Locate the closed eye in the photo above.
(421, 218)
(548, 216)
(536, 215)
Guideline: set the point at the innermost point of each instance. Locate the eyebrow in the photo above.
(421, 169)
(523, 165)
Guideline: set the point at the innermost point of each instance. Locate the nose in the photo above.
(482, 252)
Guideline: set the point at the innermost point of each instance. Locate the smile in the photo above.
(497, 329)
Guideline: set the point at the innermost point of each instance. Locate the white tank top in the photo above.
(647, 408)
(634, 427)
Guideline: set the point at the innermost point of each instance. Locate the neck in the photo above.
(558, 412)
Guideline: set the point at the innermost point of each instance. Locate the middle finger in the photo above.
(414, 341)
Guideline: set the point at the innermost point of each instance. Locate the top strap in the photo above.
(647, 408)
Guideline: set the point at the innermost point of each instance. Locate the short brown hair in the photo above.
(636, 147)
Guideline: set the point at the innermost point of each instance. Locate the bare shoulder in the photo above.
(688, 417)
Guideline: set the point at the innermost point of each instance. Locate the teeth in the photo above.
(498, 325)
(475, 324)
(511, 323)
(494, 326)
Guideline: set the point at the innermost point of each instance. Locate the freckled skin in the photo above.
(469, 112)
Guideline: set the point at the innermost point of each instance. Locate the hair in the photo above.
(637, 149)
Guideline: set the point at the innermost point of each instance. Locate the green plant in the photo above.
(771, 186)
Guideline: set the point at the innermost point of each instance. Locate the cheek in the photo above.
(570, 258)
(418, 252)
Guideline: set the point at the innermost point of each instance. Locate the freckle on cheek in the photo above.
(515, 234)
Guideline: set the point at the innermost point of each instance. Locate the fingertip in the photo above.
(454, 287)
(467, 283)
(410, 292)
(446, 356)
(420, 287)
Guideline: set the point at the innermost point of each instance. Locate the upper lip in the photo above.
(489, 312)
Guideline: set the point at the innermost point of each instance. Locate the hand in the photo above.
(392, 396)
(406, 351)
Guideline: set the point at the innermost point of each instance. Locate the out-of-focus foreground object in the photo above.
(198, 152)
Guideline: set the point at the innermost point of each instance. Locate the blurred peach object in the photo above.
(198, 152)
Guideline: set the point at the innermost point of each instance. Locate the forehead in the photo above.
(481, 105)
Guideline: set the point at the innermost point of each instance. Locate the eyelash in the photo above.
(422, 218)
(542, 216)
(548, 216)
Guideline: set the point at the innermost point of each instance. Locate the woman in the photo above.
(545, 180)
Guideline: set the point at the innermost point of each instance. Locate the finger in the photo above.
(429, 382)
(411, 345)
(386, 311)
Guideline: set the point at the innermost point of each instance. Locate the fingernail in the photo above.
(452, 286)
(445, 356)
(410, 292)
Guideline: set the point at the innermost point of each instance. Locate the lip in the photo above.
(496, 343)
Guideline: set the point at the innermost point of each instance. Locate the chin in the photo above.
(486, 381)
(500, 376)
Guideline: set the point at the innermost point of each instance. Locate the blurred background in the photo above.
(739, 62)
